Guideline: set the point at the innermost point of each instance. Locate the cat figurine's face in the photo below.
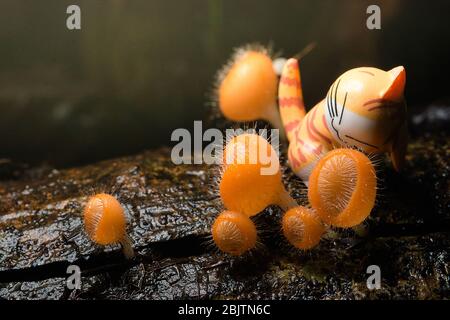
(365, 108)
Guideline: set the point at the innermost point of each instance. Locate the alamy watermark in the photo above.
(373, 21)
(74, 279)
(73, 21)
(374, 280)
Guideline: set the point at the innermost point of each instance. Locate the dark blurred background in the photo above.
(139, 69)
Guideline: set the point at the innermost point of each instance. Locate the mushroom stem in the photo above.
(127, 247)
(273, 116)
(285, 201)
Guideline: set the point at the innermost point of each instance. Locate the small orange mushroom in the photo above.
(248, 89)
(234, 233)
(105, 223)
(302, 228)
(342, 187)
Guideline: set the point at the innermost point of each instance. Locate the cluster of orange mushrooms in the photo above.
(245, 190)
(341, 186)
(327, 151)
(335, 195)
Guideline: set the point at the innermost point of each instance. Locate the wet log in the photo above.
(170, 210)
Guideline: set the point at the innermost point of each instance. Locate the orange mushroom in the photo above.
(248, 89)
(302, 228)
(251, 176)
(342, 187)
(105, 223)
(234, 233)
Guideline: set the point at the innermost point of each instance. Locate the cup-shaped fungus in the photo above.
(105, 222)
(302, 227)
(251, 176)
(342, 187)
(234, 233)
(248, 88)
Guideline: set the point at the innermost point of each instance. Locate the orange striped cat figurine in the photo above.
(364, 108)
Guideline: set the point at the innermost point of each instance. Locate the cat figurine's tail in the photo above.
(290, 97)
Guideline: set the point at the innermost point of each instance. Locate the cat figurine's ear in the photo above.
(398, 147)
(395, 93)
(395, 90)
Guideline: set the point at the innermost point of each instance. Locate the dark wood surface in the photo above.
(170, 210)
